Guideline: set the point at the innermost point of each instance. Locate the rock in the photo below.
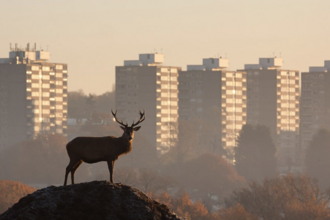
(93, 200)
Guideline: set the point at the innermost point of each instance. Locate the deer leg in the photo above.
(73, 170)
(68, 169)
(111, 165)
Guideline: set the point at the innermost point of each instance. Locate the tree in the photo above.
(283, 198)
(207, 175)
(183, 140)
(236, 212)
(317, 157)
(11, 192)
(76, 104)
(41, 160)
(90, 105)
(81, 105)
(184, 207)
(191, 139)
(105, 102)
(255, 153)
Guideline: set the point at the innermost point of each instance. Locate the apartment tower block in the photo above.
(273, 100)
(211, 86)
(33, 95)
(315, 104)
(148, 84)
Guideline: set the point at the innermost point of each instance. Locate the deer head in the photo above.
(129, 130)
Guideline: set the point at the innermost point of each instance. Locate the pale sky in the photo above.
(93, 37)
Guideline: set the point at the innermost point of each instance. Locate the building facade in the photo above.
(146, 84)
(211, 86)
(33, 96)
(273, 100)
(315, 104)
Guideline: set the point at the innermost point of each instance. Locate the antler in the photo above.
(142, 117)
(120, 122)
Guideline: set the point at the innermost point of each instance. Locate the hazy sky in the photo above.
(95, 36)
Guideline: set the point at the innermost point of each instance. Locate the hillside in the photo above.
(93, 200)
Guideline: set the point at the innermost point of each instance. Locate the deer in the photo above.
(96, 149)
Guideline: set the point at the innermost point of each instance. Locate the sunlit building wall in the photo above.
(203, 87)
(273, 100)
(148, 84)
(33, 96)
(315, 103)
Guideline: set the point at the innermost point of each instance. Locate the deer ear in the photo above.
(122, 127)
(137, 128)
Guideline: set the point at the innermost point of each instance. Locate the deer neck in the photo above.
(125, 146)
(124, 139)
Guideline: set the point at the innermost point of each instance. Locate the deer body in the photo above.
(97, 149)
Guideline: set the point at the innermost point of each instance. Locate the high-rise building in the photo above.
(33, 95)
(211, 85)
(273, 100)
(314, 104)
(149, 85)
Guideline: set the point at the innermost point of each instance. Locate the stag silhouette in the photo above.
(96, 149)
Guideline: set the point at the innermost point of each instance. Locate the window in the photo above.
(164, 119)
(34, 67)
(238, 118)
(45, 94)
(45, 68)
(45, 86)
(59, 83)
(35, 85)
(59, 67)
(46, 77)
(60, 75)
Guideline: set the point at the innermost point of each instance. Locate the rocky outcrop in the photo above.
(94, 200)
